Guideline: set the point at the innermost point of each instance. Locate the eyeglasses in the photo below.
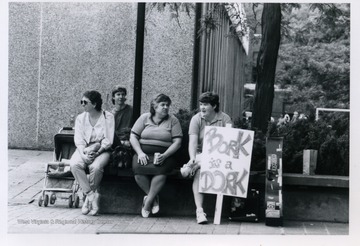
(84, 102)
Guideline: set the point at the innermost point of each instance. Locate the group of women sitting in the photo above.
(98, 131)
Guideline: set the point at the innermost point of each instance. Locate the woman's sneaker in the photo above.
(156, 207)
(189, 169)
(95, 205)
(86, 206)
(201, 217)
(144, 213)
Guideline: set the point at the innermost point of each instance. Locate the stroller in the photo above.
(58, 177)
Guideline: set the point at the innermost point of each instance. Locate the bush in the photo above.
(184, 116)
(330, 136)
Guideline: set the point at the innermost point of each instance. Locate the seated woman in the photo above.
(153, 132)
(94, 134)
(209, 115)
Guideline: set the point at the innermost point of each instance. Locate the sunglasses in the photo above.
(83, 102)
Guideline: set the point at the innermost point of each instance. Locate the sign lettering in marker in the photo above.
(226, 159)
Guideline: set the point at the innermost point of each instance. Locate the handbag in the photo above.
(121, 156)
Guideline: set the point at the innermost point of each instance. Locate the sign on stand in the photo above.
(225, 163)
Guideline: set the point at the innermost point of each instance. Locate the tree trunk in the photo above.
(266, 66)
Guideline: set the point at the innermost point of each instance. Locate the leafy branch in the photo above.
(174, 8)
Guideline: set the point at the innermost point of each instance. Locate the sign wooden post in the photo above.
(219, 202)
(225, 166)
(218, 209)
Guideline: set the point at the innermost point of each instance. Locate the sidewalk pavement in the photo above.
(26, 177)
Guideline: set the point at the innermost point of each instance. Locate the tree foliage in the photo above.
(314, 57)
(174, 8)
(314, 54)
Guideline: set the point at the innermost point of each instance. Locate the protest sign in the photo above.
(225, 161)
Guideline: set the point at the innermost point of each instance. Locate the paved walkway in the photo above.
(26, 176)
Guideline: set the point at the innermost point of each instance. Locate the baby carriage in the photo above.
(58, 177)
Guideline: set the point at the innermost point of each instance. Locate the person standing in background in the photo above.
(123, 114)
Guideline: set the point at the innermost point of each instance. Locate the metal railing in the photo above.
(329, 109)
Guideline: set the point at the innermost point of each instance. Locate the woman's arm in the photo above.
(109, 128)
(142, 157)
(193, 142)
(79, 140)
(176, 144)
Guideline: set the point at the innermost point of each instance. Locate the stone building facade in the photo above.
(59, 50)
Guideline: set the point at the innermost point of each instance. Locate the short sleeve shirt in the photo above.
(198, 123)
(160, 134)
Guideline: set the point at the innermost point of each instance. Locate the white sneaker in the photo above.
(90, 196)
(156, 207)
(189, 169)
(85, 208)
(95, 205)
(201, 217)
(144, 213)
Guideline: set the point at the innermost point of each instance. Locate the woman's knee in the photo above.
(100, 162)
(105, 156)
(76, 165)
(196, 175)
(139, 177)
(96, 169)
(76, 162)
(160, 177)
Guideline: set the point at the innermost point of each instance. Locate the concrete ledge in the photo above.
(312, 203)
(312, 198)
(259, 178)
(308, 180)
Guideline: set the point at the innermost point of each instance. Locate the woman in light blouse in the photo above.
(153, 132)
(94, 134)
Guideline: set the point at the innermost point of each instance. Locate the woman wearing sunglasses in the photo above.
(94, 134)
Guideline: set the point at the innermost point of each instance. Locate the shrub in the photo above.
(329, 135)
(184, 116)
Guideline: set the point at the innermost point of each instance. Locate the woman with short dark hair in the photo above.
(209, 115)
(153, 132)
(94, 134)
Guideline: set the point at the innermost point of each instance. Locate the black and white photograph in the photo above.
(180, 122)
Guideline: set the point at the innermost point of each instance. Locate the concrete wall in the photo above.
(59, 50)
(168, 57)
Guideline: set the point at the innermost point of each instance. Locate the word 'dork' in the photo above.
(229, 184)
